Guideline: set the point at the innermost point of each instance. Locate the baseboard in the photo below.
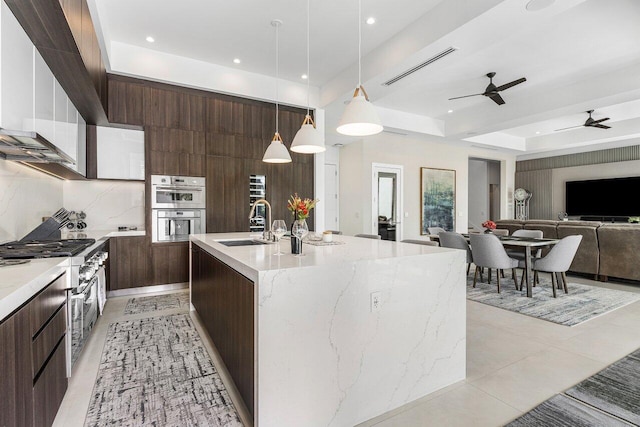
(148, 289)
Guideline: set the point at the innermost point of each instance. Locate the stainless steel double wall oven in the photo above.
(177, 207)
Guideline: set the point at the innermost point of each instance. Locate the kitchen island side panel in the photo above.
(224, 300)
(325, 358)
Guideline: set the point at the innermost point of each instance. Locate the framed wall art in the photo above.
(437, 199)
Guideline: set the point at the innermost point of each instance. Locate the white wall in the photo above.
(356, 175)
(26, 196)
(576, 173)
(108, 204)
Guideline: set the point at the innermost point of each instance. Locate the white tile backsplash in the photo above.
(26, 196)
(108, 204)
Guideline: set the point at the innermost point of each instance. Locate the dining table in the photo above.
(526, 243)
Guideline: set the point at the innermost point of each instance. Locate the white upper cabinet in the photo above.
(120, 153)
(16, 74)
(44, 90)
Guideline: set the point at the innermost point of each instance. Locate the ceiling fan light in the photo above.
(360, 118)
(308, 139)
(276, 151)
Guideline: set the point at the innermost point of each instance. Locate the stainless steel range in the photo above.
(85, 282)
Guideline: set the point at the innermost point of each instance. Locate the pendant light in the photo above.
(360, 117)
(276, 151)
(308, 139)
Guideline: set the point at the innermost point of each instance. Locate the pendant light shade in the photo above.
(308, 139)
(276, 151)
(360, 117)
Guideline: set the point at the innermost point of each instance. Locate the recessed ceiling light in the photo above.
(150, 39)
(450, 111)
(236, 60)
(537, 132)
(371, 20)
(536, 5)
(304, 76)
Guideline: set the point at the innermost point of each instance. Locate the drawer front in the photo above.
(45, 304)
(46, 341)
(50, 388)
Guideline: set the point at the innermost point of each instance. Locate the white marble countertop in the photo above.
(18, 283)
(251, 260)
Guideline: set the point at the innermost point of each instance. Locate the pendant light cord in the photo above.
(277, 74)
(308, 76)
(359, 42)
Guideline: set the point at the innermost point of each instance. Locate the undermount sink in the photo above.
(243, 242)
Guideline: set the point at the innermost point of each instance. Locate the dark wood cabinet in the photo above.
(130, 264)
(32, 359)
(174, 152)
(126, 102)
(170, 263)
(16, 378)
(224, 300)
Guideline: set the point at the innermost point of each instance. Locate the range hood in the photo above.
(33, 150)
(30, 147)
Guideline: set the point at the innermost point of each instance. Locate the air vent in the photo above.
(484, 147)
(395, 132)
(420, 66)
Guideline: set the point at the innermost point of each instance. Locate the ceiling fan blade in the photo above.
(600, 126)
(512, 84)
(466, 96)
(496, 98)
(570, 127)
(595, 122)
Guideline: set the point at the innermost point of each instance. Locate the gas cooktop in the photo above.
(44, 248)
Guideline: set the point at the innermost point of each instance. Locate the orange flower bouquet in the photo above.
(489, 225)
(300, 208)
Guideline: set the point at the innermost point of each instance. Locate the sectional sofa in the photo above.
(607, 249)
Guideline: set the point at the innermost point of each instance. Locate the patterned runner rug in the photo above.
(582, 303)
(157, 372)
(609, 398)
(178, 300)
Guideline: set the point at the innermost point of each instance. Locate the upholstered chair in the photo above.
(487, 252)
(450, 239)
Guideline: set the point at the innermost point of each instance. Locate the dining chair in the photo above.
(435, 230)
(487, 252)
(335, 231)
(421, 242)
(369, 236)
(558, 260)
(519, 253)
(451, 239)
(501, 232)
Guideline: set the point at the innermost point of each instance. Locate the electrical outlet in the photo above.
(376, 301)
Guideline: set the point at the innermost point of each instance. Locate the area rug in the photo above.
(609, 398)
(157, 372)
(582, 303)
(614, 390)
(178, 300)
(561, 410)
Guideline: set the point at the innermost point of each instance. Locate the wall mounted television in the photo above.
(614, 197)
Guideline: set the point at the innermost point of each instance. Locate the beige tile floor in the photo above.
(514, 362)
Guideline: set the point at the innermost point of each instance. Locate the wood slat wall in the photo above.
(536, 175)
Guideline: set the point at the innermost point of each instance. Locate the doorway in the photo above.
(386, 207)
(484, 192)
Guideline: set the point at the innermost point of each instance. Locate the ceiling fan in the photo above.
(590, 123)
(492, 90)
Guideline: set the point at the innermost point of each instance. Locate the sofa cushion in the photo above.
(548, 228)
(619, 251)
(587, 258)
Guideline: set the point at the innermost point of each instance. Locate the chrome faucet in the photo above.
(267, 234)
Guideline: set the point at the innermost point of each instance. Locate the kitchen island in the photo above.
(338, 336)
